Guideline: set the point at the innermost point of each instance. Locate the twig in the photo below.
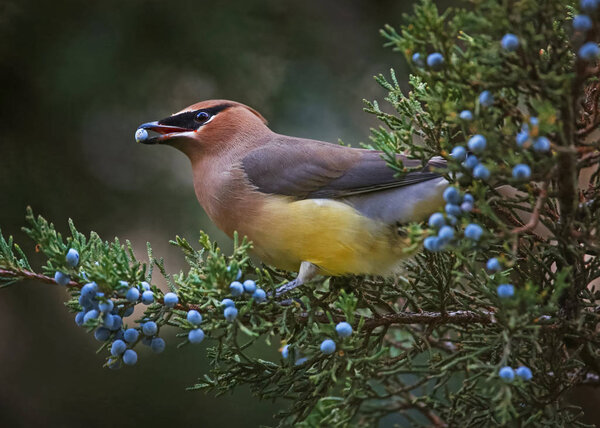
(453, 317)
(535, 217)
(25, 274)
(22, 274)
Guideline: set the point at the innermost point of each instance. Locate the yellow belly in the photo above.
(327, 233)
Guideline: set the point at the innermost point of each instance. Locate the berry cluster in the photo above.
(456, 206)
(237, 289)
(507, 373)
(583, 23)
(435, 61)
(104, 313)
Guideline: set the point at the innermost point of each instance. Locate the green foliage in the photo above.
(427, 344)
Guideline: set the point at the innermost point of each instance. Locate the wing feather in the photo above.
(314, 169)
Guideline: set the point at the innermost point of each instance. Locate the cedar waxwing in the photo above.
(318, 207)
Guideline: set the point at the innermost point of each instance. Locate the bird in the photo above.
(309, 206)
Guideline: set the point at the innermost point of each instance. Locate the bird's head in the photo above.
(203, 126)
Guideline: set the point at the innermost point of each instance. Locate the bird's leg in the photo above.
(307, 272)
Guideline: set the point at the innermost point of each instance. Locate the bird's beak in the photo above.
(166, 132)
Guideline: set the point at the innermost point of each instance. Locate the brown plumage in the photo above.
(333, 208)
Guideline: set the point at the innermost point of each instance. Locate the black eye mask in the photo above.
(188, 119)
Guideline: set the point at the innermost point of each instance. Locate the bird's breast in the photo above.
(328, 233)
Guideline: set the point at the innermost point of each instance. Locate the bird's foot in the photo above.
(287, 287)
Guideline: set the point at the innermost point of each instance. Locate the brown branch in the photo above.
(535, 217)
(25, 274)
(453, 317)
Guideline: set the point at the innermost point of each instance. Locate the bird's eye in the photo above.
(202, 117)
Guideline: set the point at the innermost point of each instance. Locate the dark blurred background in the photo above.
(77, 78)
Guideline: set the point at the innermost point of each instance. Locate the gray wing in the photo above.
(313, 169)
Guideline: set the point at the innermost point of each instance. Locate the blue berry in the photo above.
(541, 144)
(117, 348)
(471, 162)
(227, 303)
(147, 297)
(432, 243)
(79, 318)
(145, 286)
(436, 220)
(328, 346)
(589, 51)
(146, 340)
(435, 61)
(89, 289)
(120, 335)
(86, 303)
(107, 306)
(493, 265)
(589, 5)
(131, 335)
(171, 300)
(452, 195)
(158, 345)
(522, 138)
(128, 311)
(130, 357)
(524, 373)
(249, 286)
(521, 172)
(417, 59)
(196, 335)
(473, 232)
(259, 295)
(452, 220)
(72, 257)
(446, 233)
(102, 334)
(90, 315)
(534, 121)
(149, 328)
(132, 295)
(141, 135)
(507, 373)
(238, 275)
(459, 153)
(505, 291)
(486, 99)
(466, 207)
(466, 115)
(481, 172)
(510, 42)
(285, 352)
(477, 143)
(236, 288)
(230, 313)
(343, 329)
(194, 317)
(117, 321)
(468, 198)
(107, 321)
(453, 209)
(61, 278)
(582, 23)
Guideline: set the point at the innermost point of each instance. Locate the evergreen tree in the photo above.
(490, 324)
